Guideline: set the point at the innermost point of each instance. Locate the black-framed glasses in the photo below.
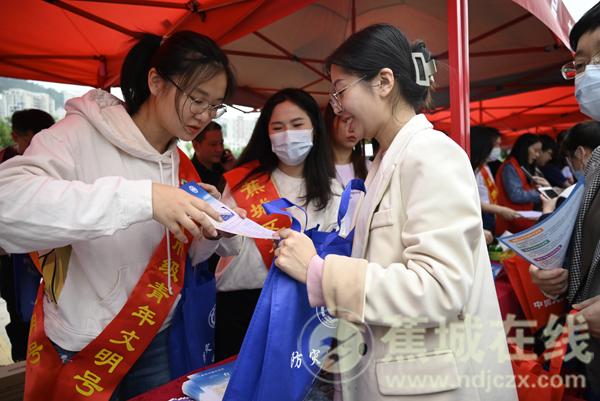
(335, 101)
(576, 67)
(199, 106)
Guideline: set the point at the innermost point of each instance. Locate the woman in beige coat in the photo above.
(419, 317)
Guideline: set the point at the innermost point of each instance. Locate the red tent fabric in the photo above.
(84, 42)
(548, 111)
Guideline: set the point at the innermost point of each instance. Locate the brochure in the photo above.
(209, 385)
(545, 244)
(232, 222)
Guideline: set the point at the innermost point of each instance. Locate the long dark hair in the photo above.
(520, 151)
(379, 46)
(318, 167)
(482, 143)
(358, 158)
(187, 56)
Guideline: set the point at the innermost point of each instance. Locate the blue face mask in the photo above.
(587, 91)
(577, 174)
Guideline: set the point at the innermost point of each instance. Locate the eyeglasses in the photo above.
(576, 67)
(199, 106)
(335, 101)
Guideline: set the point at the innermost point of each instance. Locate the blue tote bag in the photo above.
(288, 340)
(192, 336)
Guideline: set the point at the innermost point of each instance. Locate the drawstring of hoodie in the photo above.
(166, 229)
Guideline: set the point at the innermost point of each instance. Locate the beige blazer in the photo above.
(420, 314)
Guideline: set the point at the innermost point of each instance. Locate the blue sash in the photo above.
(287, 340)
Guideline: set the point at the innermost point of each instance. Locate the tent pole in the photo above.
(353, 17)
(458, 49)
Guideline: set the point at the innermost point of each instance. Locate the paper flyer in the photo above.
(232, 222)
(209, 385)
(545, 244)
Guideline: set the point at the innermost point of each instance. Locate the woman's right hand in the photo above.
(508, 213)
(553, 282)
(174, 208)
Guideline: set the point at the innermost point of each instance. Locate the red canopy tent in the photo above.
(548, 111)
(276, 44)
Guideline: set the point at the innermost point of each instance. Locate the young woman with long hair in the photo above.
(515, 190)
(419, 264)
(99, 191)
(287, 156)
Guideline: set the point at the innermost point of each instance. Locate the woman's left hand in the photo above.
(294, 254)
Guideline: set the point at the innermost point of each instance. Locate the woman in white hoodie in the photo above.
(99, 190)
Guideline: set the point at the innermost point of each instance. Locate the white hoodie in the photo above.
(87, 182)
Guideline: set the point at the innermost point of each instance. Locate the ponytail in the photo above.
(190, 57)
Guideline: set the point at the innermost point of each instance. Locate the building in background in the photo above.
(237, 130)
(14, 99)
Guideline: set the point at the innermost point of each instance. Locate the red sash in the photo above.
(490, 185)
(250, 196)
(94, 372)
(516, 225)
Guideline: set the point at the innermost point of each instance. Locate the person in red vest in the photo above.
(287, 157)
(515, 190)
(99, 192)
(485, 147)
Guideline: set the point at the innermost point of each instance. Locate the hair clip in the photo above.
(428, 69)
(164, 39)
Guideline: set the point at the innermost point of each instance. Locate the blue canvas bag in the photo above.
(287, 340)
(192, 336)
(27, 283)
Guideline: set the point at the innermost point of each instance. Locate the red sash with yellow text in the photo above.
(490, 185)
(250, 196)
(94, 372)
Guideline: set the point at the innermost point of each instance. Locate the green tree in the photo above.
(5, 137)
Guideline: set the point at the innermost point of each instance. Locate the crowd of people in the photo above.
(96, 196)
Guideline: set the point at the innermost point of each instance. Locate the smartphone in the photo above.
(225, 157)
(548, 192)
(528, 174)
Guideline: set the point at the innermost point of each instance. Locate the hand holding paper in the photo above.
(231, 222)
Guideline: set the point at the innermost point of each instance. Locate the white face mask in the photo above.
(587, 91)
(292, 146)
(494, 154)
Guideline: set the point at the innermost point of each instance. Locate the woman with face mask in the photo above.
(485, 147)
(287, 157)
